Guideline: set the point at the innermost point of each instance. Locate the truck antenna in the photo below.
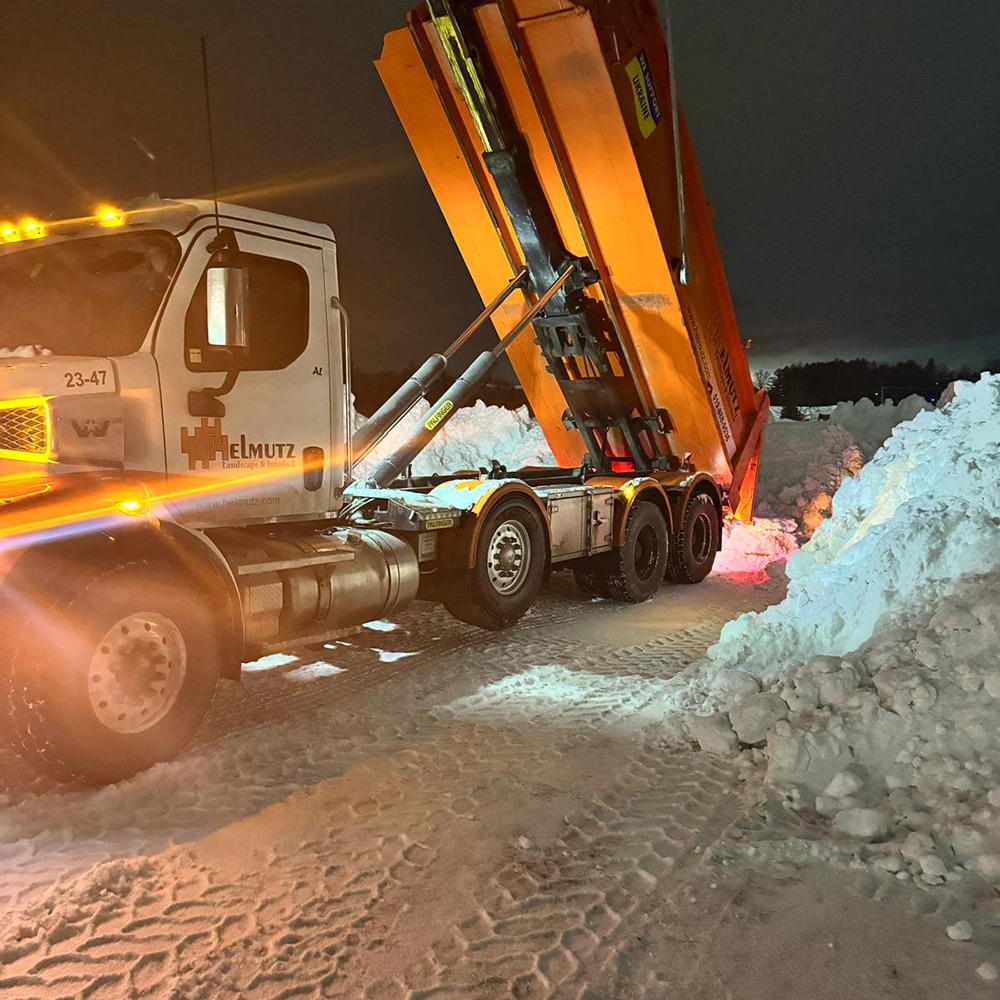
(211, 137)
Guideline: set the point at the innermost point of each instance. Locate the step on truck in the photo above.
(179, 490)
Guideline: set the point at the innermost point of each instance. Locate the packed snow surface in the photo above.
(379, 836)
(921, 514)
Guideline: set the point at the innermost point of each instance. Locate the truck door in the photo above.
(266, 452)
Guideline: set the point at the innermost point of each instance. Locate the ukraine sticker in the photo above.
(647, 105)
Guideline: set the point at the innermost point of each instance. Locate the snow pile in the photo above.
(871, 425)
(873, 690)
(473, 436)
(921, 514)
(748, 549)
(802, 465)
(897, 742)
(28, 351)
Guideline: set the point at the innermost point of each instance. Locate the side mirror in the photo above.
(227, 302)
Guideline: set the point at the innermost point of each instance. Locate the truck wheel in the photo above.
(114, 679)
(510, 566)
(635, 571)
(591, 581)
(697, 541)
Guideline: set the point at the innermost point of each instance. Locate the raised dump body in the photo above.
(546, 129)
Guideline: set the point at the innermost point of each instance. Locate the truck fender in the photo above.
(198, 550)
(477, 497)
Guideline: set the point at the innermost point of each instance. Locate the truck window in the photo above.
(277, 320)
(94, 296)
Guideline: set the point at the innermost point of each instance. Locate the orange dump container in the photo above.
(587, 84)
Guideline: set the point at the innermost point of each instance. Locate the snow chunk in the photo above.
(862, 824)
(311, 671)
(381, 626)
(753, 718)
(271, 662)
(749, 549)
(960, 931)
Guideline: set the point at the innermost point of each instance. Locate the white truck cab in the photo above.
(117, 323)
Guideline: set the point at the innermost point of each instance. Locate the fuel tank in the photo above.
(301, 586)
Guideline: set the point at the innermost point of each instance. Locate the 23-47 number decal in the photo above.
(76, 380)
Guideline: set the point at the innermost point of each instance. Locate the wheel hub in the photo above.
(508, 557)
(136, 672)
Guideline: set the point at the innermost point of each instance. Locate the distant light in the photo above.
(109, 217)
(9, 233)
(31, 229)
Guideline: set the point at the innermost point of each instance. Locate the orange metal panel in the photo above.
(587, 84)
(466, 196)
(580, 105)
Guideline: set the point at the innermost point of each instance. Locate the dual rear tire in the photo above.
(696, 542)
(633, 572)
(649, 552)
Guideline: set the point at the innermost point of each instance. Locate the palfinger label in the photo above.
(438, 415)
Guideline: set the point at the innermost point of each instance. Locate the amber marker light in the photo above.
(9, 233)
(109, 217)
(130, 506)
(31, 229)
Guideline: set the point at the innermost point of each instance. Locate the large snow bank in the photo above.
(474, 435)
(872, 692)
(895, 743)
(871, 425)
(803, 462)
(918, 516)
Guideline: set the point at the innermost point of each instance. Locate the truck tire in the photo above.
(591, 581)
(510, 567)
(696, 542)
(114, 676)
(634, 572)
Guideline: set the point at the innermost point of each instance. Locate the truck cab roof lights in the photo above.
(110, 217)
(31, 229)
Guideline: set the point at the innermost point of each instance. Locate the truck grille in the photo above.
(24, 429)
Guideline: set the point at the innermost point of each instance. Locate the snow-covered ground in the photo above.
(428, 811)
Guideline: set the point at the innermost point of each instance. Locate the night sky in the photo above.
(851, 150)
